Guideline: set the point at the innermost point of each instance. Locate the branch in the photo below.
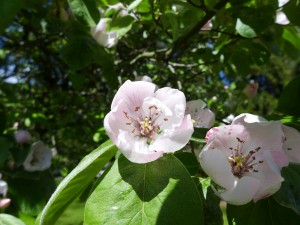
(184, 40)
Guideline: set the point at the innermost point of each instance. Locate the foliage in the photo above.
(57, 83)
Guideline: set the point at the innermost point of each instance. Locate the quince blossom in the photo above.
(23, 136)
(4, 202)
(144, 122)
(200, 114)
(39, 157)
(102, 35)
(245, 159)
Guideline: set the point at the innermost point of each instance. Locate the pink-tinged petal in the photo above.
(202, 117)
(116, 120)
(215, 164)
(269, 176)
(245, 118)
(281, 159)
(23, 136)
(281, 18)
(136, 149)
(266, 135)
(39, 157)
(291, 143)
(176, 103)
(4, 203)
(226, 136)
(243, 191)
(133, 93)
(171, 141)
(3, 187)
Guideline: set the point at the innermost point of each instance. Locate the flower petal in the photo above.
(243, 192)
(175, 101)
(247, 118)
(215, 164)
(136, 149)
(203, 117)
(133, 93)
(171, 141)
(291, 145)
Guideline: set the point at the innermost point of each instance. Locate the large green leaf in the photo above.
(79, 52)
(31, 195)
(292, 11)
(266, 211)
(76, 182)
(288, 100)
(6, 219)
(289, 194)
(160, 192)
(81, 11)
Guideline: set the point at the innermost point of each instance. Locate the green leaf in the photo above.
(244, 29)
(79, 52)
(291, 9)
(160, 192)
(81, 12)
(93, 9)
(288, 99)
(76, 182)
(266, 211)
(122, 24)
(133, 5)
(291, 35)
(8, 10)
(5, 145)
(289, 195)
(6, 219)
(31, 195)
(3, 119)
(189, 161)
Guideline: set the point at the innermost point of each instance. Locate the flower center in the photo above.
(145, 124)
(243, 163)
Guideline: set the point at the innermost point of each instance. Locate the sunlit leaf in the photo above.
(76, 182)
(160, 192)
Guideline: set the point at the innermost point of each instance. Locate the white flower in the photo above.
(39, 157)
(144, 123)
(202, 116)
(3, 188)
(23, 136)
(103, 36)
(245, 159)
(281, 18)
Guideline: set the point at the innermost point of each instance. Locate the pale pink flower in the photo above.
(282, 2)
(281, 18)
(251, 89)
(4, 203)
(144, 123)
(202, 116)
(290, 138)
(102, 35)
(23, 136)
(38, 158)
(245, 160)
(3, 188)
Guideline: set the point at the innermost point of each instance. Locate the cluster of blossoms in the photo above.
(244, 159)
